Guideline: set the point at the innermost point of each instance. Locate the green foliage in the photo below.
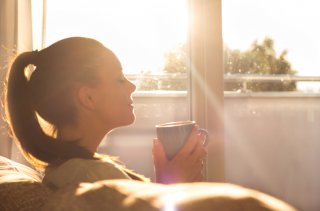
(175, 60)
(176, 66)
(260, 59)
(145, 82)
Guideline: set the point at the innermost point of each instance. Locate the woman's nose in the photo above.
(132, 87)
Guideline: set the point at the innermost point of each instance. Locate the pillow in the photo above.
(11, 171)
(20, 187)
(125, 195)
(23, 195)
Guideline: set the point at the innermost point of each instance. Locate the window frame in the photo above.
(207, 79)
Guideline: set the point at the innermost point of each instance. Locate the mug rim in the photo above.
(176, 123)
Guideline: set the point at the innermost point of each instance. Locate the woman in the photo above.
(60, 112)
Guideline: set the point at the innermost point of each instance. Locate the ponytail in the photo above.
(39, 148)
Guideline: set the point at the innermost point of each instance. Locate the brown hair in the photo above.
(47, 93)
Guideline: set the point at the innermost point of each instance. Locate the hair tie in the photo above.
(34, 57)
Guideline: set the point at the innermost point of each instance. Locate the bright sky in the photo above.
(140, 31)
(293, 24)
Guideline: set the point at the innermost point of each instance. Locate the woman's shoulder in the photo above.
(88, 166)
(80, 163)
(82, 170)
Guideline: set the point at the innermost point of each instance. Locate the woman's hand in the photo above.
(186, 166)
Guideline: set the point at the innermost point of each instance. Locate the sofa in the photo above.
(21, 189)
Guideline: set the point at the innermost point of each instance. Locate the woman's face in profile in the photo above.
(114, 94)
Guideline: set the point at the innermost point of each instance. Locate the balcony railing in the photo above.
(244, 79)
(231, 77)
(254, 77)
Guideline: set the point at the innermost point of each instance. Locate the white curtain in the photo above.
(15, 37)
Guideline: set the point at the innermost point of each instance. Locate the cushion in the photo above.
(23, 195)
(125, 195)
(12, 171)
(20, 187)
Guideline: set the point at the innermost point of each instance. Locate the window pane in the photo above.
(271, 37)
(149, 39)
(274, 136)
(148, 36)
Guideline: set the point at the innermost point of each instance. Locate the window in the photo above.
(271, 45)
(149, 37)
(272, 99)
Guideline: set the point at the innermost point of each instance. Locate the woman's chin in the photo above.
(128, 121)
(132, 119)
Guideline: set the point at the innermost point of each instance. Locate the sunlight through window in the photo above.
(266, 39)
(140, 32)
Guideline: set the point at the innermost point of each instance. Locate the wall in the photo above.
(272, 144)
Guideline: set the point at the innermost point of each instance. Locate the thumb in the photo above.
(159, 155)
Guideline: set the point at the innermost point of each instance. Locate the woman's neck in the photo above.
(86, 135)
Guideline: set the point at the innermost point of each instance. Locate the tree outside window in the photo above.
(259, 59)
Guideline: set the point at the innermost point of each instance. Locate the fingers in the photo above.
(186, 166)
(194, 149)
(191, 142)
(197, 161)
(159, 155)
(196, 174)
(199, 153)
(199, 177)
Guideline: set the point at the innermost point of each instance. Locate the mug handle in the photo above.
(205, 143)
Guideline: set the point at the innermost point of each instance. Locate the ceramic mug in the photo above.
(173, 135)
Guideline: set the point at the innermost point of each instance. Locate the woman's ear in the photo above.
(86, 96)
